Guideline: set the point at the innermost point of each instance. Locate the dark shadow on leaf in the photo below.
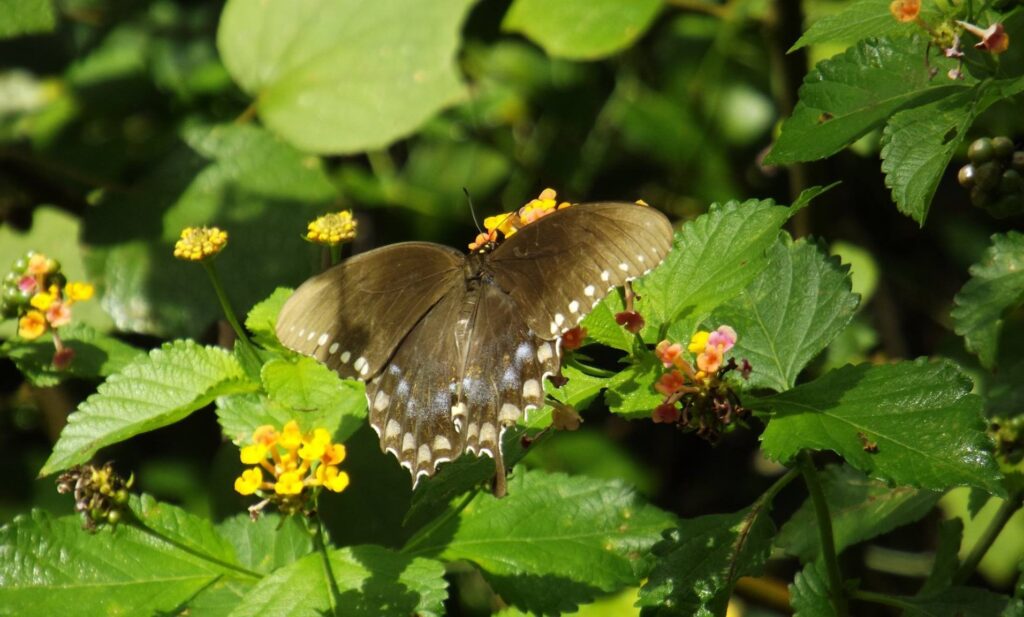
(543, 595)
(382, 593)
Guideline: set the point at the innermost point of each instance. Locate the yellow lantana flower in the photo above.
(698, 342)
(333, 228)
(32, 325)
(291, 436)
(254, 454)
(77, 292)
(42, 300)
(290, 483)
(249, 482)
(199, 243)
(331, 478)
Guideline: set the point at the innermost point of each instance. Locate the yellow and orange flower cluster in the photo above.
(200, 243)
(332, 229)
(294, 461)
(36, 292)
(511, 222)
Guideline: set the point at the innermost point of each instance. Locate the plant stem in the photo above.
(246, 116)
(335, 254)
(988, 537)
(882, 598)
(425, 531)
(225, 303)
(321, 547)
(828, 543)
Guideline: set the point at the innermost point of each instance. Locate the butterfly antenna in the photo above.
(472, 210)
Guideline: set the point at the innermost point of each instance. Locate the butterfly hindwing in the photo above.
(353, 316)
(559, 267)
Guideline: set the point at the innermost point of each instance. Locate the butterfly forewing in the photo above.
(561, 266)
(353, 316)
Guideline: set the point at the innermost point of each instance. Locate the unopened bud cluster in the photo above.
(100, 493)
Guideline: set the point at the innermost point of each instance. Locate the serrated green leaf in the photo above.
(190, 532)
(581, 29)
(267, 543)
(700, 561)
(372, 580)
(601, 326)
(344, 76)
(595, 454)
(911, 423)
(631, 391)
(789, 313)
(154, 391)
(20, 17)
(963, 602)
(713, 258)
(996, 287)
(862, 19)
(96, 355)
(237, 177)
(845, 97)
(50, 564)
(585, 533)
(262, 318)
(304, 385)
(861, 509)
(809, 592)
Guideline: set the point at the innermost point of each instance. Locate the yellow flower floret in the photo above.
(333, 454)
(332, 228)
(31, 325)
(199, 243)
(249, 482)
(42, 300)
(77, 292)
(698, 342)
(289, 483)
(291, 436)
(331, 478)
(254, 454)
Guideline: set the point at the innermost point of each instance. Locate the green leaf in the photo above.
(844, 97)
(344, 76)
(586, 535)
(996, 288)
(631, 392)
(51, 564)
(861, 19)
(714, 257)
(262, 318)
(188, 531)
(700, 561)
(947, 561)
(581, 29)
(601, 326)
(268, 543)
(963, 602)
(372, 580)
(809, 592)
(341, 410)
(96, 355)
(154, 391)
(19, 17)
(305, 385)
(911, 423)
(789, 313)
(239, 178)
(595, 454)
(861, 509)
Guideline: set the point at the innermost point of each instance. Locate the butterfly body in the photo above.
(455, 348)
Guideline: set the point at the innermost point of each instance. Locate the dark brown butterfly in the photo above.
(455, 348)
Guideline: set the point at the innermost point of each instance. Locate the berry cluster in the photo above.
(23, 281)
(994, 176)
(100, 493)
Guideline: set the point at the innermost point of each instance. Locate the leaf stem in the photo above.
(246, 116)
(882, 598)
(1006, 510)
(321, 547)
(828, 543)
(424, 532)
(225, 303)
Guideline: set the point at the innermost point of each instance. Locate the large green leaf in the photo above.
(789, 313)
(700, 561)
(581, 29)
(631, 391)
(714, 257)
(580, 535)
(844, 97)
(48, 566)
(262, 318)
(861, 19)
(239, 178)
(996, 287)
(152, 392)
(96, 355)
(911, 423)
(188, 531)
(18, 17)
(267, 543)
(372, 581)
(861, 509)
(342, 76)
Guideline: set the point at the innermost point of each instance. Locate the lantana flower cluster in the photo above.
(509, 223)
(296, 464)
(946, 35)
(200, 243)
(696, 395)
(100, 493)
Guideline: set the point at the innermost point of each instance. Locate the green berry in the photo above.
(19, 266)
(980, 196)
(1009, 205)
(14, 297)
(987, 175)
(1002, 147)
(113, 517)
(966, 176)
(1009, 183)
(1017, 162)
(981, 150)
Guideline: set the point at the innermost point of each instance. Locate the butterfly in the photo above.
(454, 348)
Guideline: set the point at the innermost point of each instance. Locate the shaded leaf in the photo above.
(925, 425)
(268, 543)
(789, 313)
(996, 287)
(372, 580)
(861, 509)
(344, 76)
(262, 318)
(151, 392)
(809, 592)
(188, 531)
(20, 17)
(964, 602)
(96, 355)
(631, 391)
(581, 29)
